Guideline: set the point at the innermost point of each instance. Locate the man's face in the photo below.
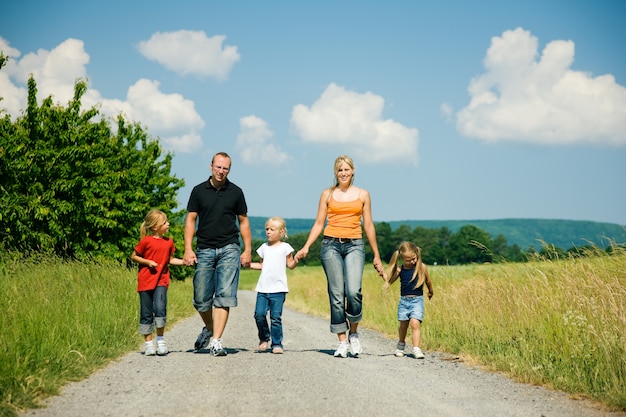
(219, 169)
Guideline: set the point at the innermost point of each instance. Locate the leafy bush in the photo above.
(72, 187)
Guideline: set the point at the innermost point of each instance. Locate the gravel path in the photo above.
(305, 381)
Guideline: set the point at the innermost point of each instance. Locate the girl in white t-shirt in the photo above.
(272, 286)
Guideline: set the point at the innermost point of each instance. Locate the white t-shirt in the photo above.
(274, 268)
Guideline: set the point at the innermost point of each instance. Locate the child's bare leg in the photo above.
(402, 330)
(415, 332)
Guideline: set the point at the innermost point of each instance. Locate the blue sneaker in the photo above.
(203, 339)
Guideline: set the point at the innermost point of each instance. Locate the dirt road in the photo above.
(305, 381)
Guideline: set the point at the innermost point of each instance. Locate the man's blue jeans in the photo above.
(216, 278)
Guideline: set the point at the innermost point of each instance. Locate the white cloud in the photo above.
(447, 112)
(253, 143)
(55, 72)
(521, 99)
(191, 52)
(170, 117)
(353, 120)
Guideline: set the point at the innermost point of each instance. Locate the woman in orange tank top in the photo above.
(343, 208)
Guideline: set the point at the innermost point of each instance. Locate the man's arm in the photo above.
(246, 236)
(189, 257)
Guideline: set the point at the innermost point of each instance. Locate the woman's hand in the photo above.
(378, 266)
(301, 254)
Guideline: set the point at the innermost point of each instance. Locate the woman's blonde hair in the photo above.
(282, 225)
(392, 273)
(152, 219)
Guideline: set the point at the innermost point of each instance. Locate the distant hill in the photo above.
(525, 233)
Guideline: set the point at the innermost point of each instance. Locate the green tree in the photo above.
(70, 186)
(3, 61)
(386, 245)
(470, 244)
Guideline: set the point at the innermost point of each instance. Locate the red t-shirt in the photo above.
(159, 250)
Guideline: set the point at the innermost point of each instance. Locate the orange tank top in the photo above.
(344, 219)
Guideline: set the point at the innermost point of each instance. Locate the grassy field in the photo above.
(561, 324)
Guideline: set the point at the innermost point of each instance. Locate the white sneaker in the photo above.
(162, 348)
(417, 353)
(216, 348)
(342, 350)
(400, 349)
(150, 350)
(355, 344)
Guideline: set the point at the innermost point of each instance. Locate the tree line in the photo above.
(439, 246)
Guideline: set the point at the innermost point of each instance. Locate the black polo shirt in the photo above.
(217, 213)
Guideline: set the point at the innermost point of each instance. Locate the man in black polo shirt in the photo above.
(216, 204)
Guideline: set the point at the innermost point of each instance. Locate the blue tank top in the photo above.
(406, 287)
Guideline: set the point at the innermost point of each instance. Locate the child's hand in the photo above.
(430, 294)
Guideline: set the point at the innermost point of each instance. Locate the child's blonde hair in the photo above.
(152, 219)
(282, 225)
(392, 273)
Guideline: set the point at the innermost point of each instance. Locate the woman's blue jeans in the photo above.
(343, 264)
(272, 302)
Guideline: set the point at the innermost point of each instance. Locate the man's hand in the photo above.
(189, 258)
(245, 259)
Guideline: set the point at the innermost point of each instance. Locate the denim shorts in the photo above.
(411, 308)
(216, 278)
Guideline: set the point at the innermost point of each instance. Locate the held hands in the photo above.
(189, 258)
(245, 259)
(301, 254)
(378, 266)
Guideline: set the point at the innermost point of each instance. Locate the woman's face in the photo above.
(344, 173)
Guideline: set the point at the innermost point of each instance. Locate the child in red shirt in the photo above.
(154, 253)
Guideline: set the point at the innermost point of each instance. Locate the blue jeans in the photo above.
(152, 309)
(272, 302)
(216, 277)
(343, 264)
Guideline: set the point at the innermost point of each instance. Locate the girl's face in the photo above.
(344, 173)
(272, 231)
(162, 227)
(409, 260)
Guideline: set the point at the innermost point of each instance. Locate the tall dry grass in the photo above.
(560, 324)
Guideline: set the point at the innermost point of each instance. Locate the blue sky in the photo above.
(452, 110)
